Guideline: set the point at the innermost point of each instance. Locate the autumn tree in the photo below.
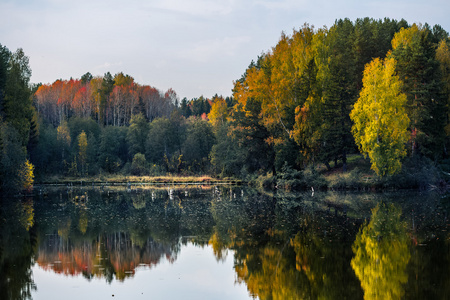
(219, 112)
(26, 175)
(380, 119)
(82, 151)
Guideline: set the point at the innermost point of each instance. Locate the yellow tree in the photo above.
(26, 175)
(82, 151)
(219, 112)
(379, 117)
(63, 136)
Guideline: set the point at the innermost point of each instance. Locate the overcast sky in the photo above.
(196, 47)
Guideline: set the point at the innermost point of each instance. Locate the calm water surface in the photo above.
(208, 242)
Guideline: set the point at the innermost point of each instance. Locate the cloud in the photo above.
(107, 66)
(198, 7)
(206, 50)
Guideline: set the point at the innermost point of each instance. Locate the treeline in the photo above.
(293, 104)
(302, 103)
(108, 100)
(18, 121)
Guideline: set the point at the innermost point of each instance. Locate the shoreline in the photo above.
(133, 180)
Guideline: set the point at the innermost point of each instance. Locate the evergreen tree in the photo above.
(106, 89)
(18, 107)
(4, 59)
(418, 68)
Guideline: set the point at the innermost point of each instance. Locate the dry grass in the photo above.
(122, 179)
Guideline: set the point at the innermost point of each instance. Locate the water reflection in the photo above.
(382, 254)
(18, 240)
(284, 246)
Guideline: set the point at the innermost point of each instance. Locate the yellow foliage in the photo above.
(82, 150)
(83, 222)
(27, 219)
(379, 117)
(219, 112)
(405, 37)
(219, 246)
(63, 133)
(26, 175)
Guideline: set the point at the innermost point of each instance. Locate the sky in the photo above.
(196, 47)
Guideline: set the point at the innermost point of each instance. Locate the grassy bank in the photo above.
(417, 173)
(116, 179)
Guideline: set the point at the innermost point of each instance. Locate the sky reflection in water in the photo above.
(195, 274)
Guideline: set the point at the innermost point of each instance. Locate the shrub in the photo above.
(139, 165)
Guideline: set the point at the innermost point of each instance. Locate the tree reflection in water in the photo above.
(284, 246)
(18, 240)
(382, 253)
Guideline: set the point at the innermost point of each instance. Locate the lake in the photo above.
(223, 242)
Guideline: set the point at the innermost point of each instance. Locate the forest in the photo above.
(376, 88)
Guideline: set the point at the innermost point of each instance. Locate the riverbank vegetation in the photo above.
(359, 105)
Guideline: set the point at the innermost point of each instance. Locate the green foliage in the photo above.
(199, 142)
(417, 173)
(227, 158)
(18, 122)
(73, 168)
(77, 125)
(18, 109)
(139, 165)
(415, 52)
(47, 155)
(290, 179)
(137, 134)
(200, 106)
(4, 58)
(92, 156)
(255, 153)
(185, 109)
(161, 140)
(12, 159)
(113, 150)
(105, 91)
